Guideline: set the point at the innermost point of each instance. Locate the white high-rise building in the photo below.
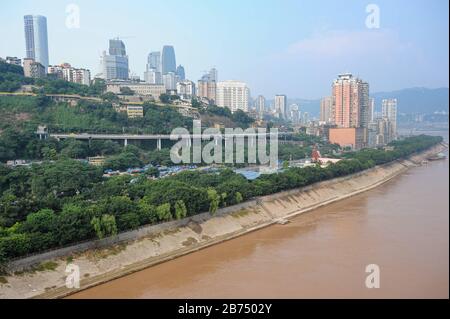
(233, 94)
(295, 113)
(170, 81)
(326, 110)
(153, 73)
(389, 112)
(186, 89)
(260, 106)
(153, 77)
(281, 105)
(371, 109)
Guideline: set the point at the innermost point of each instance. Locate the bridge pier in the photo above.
(125, 142)
(158, 144)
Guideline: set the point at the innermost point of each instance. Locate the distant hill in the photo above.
(411, 100)
(416, 100)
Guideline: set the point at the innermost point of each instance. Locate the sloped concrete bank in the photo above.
(101, 261)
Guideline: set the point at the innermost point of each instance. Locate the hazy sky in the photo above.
(279, 46)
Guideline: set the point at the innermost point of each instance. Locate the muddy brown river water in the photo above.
(402, 226)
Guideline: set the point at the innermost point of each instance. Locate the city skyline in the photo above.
(294, 57)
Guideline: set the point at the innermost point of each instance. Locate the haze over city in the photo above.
(289, 47)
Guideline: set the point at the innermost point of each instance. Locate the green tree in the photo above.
(239, 198)
(152, 171)
(180, 209)
(147, 212)
(49, 153)
(42, 221)
(163, 212)
(214, 200)
(104, 226)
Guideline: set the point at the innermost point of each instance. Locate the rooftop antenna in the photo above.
(125, 37)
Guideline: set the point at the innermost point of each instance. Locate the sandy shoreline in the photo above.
(101, 265)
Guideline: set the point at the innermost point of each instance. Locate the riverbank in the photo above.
(101, 265)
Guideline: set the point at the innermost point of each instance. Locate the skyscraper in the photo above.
(260, 106)
(371, 109)
(350, 111)
(351, 101)
(117, 47)
(169, 80)
(233, 94)
(180, 73)
(154, 61)
(207, 86)
(326, 110)
(389, 112)
(36, 39)
(295, 113)
(168, 60)
(213, 75)
(153, 74)
(115, 64)
(281, 105)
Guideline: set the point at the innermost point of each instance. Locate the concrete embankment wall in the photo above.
(151, 245)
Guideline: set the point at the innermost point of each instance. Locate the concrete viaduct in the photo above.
(157, 137)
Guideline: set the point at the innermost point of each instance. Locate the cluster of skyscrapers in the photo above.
(348, 114)
(161, 68)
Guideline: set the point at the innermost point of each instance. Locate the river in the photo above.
(401, 226)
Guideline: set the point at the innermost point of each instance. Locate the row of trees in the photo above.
(59, 203)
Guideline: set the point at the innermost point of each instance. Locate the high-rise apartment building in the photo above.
(350, 112)
(371, 109)
(36, 39)
(260, 106)
(350, 101)
(281, 105)
(33, 69)
(295, 113)
(169, 80)
(233, 94)
(168, 61)
(207, 86)
(115, 64)
(153, 73)
(389, 112)
(68, 73)
(186, 89)
(326, 110)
